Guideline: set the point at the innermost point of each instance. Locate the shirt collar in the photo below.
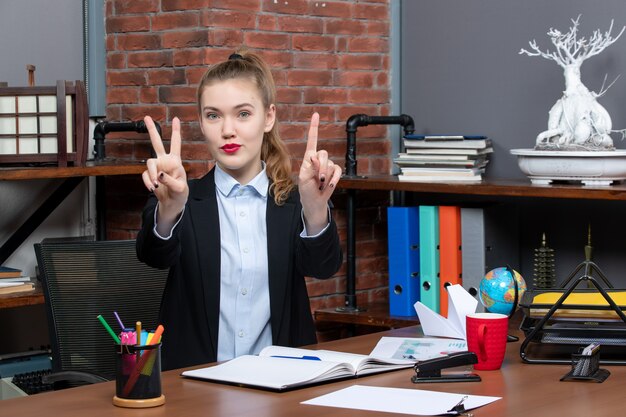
(227, 184)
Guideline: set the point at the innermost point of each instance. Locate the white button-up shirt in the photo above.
(244, 326)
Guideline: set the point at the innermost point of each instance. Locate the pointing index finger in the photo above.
(311, 142)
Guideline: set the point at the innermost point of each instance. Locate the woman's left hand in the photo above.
(316, 181)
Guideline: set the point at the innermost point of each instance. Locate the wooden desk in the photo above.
(526, 390)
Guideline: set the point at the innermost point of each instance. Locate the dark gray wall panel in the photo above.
(461, 70)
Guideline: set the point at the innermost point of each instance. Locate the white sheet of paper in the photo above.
(416, 348)
(398, 400)
(460, 304)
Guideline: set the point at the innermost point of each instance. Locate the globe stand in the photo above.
(510, 337)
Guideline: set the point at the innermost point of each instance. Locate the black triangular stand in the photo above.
(570, 285)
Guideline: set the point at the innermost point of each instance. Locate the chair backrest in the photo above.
(82, 279)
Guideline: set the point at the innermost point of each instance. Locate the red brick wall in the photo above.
(326, 56)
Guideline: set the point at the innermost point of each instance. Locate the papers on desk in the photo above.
(418, 349)
(399, 400)
(460, 304)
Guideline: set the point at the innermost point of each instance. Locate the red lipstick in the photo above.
(231, 147)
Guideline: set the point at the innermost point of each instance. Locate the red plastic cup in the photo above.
(486, 337)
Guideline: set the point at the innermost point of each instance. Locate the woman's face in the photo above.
(233, 120)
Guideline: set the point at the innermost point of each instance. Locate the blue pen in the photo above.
(308, 358)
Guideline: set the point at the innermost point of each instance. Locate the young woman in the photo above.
(240, 240)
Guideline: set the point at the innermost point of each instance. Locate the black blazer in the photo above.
(191, 300)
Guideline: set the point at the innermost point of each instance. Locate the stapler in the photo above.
(430, 370)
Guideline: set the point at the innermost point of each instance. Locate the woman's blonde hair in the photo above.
(246, 64)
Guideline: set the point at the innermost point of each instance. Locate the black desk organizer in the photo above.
(586, 367)
(550, 340)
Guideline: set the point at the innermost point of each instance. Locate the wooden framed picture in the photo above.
(44, 125)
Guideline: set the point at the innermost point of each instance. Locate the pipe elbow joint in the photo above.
(355, 121)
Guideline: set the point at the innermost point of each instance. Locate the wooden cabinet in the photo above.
(511, 191)
(72, 176)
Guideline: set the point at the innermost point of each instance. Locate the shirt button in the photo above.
(242, 214)
(244, 291)
(240, 192)
(240, 333)
(246, 250)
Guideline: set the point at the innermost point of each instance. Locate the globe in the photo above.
(497, 290)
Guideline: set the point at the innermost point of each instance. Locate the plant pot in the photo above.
(588, 167)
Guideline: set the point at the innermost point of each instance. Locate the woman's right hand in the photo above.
(165, 175)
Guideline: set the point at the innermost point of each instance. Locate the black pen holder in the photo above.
(138, 376)
(586, 367)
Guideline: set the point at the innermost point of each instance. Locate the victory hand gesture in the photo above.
(316, 181)
(165, 174)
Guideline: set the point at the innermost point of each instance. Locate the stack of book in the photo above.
(443, 158)
(12, 281)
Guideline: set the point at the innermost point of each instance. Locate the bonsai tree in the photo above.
(576, 121)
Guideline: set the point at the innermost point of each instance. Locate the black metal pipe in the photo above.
(357, 120)
(99, 134)
(350, 300)
(104, 127)
(352, 125)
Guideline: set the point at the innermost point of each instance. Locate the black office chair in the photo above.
(82, 279)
